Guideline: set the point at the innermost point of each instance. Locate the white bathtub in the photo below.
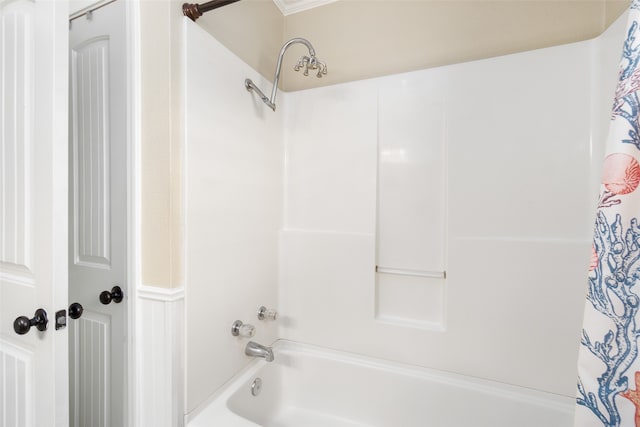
(312, 387)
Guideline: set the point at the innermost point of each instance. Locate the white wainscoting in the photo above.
(159, 351)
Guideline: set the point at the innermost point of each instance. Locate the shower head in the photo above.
(306, 62)
(311, 63)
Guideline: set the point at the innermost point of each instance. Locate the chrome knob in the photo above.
(265, 313)
(243, 330)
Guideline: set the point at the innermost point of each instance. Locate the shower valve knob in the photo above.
(265, 313)
(239, 329)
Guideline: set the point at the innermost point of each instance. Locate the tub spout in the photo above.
(256, 350)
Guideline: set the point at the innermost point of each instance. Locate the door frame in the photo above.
(133, 131)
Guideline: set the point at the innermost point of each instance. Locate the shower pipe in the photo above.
(194, 11)
(307, 63)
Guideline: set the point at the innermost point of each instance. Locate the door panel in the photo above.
(91, 148)
(90, 370)
(33, 210)
(16, 142)
(97, 227)
(15, 366)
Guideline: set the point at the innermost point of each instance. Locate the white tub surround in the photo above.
(233, 210)
(454, 169)
(505, 209)
(314, 387)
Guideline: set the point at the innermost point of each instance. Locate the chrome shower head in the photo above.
(307, 62)
(311, 63)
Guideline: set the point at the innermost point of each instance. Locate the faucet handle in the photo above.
(241, 329)
(265, 313)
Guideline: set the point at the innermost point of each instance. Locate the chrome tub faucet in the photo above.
(256, 350)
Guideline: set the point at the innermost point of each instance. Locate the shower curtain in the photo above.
(609, 367)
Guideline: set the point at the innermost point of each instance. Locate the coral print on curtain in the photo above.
(609, 367)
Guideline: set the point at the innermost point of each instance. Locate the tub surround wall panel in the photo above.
(329, 184)
(410, 301)
(411, 200)
(519, 146)
(233, 211)
(509, 303)
(329, 299)
(412, 162)
(518, 201)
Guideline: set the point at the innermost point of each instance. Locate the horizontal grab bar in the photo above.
(415, 273)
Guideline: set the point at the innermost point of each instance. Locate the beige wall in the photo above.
(613, 9)
(161, 247)
(252, 29)
(368, 38)
(361, 39)
(356, 38)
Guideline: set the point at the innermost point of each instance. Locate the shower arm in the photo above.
(271, 102)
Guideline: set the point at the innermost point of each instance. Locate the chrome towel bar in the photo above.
(414, 273)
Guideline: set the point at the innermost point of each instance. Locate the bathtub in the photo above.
(313, 387)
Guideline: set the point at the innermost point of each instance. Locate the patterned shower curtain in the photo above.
(609, 367)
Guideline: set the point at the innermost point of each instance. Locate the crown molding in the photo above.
(289, 7)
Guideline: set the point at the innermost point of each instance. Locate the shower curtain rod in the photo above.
(89, 10)
(195, 11)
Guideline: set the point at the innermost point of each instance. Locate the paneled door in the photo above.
(33, 213)
(98, 212)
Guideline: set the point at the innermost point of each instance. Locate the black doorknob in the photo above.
(115, 295)
(23, 324)
(75, 310)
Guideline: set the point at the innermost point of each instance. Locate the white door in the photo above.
(97, 227)
(33, 211)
